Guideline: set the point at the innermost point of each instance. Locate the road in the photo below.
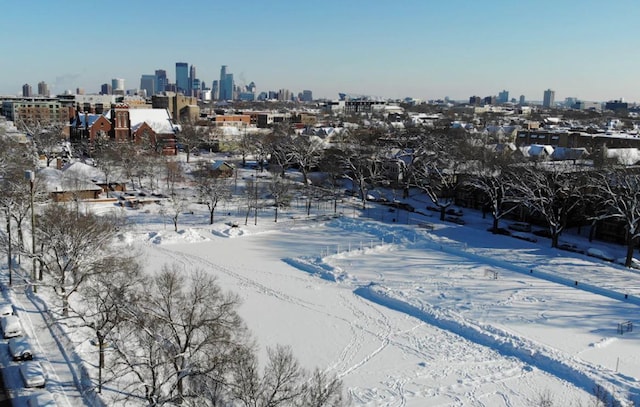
(61, 366)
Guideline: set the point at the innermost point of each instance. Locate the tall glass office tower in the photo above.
(182, 77)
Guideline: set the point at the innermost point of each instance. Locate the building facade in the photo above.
(37, 111)
(27, 91)
(161, 80)
(43, 89)
(548, 100)
(182, 77)
(148, 84)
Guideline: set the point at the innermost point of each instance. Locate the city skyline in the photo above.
(419, 49)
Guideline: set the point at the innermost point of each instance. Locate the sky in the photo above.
(410, 48)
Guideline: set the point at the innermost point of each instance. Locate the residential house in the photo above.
(63, 187)
(120, 123)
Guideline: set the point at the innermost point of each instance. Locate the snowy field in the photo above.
(405, 315)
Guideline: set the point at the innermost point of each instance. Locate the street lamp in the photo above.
(31, 177)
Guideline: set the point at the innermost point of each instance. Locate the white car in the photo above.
(42, 399)
(32, 374)
(20, 349)
(6, 309)
(11, 326)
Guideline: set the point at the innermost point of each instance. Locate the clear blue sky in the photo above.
(420, 48)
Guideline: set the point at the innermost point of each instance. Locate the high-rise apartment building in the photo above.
(215, 90)
(43, 89)
(117, 86)
(27, 91)
(226, 84)
(306, 96)
(192, 80)
(522, 100)
(503, 97)
(148, 84)
(106, 89)
(182, 78)
(549, 98)
(284, 95)
(161, 80)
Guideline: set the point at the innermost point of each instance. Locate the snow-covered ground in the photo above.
(411, 316)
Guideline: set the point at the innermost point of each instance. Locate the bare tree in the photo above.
(107, 302)
(211, 187)
(497, 191)
(280, 192)
(73, 248)
(283, 383)
(246, 146)
(553, 192)
(108, 158)
(174, 175)
(434, 170)
(190, 136)
(357, 154)
(15, 159)
(618, 191)
(305, 152)
(252, 194)
(277, 143)
(46, 138)
(185, 329)
(322, 390)
(178, 203)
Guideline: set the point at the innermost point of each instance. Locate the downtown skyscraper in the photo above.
(225, 84)
(161, 80)
(182, 78)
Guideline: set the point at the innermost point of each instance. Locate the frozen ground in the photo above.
(408, 316)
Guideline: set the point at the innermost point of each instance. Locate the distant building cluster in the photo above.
(187, 83)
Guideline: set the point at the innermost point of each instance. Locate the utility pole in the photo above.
(31, 177)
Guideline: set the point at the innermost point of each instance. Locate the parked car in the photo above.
(32, 374)
(20, 349)
(42, 399)
(11, 326)
(6, 308)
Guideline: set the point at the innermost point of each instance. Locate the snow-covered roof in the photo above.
(566, 153)
(79, 170)
(54, 180)
(84, 120)
(158, 119)
(624, 156)
(216, 165)
(536, 150)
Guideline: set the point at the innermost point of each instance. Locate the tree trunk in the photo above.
(276, 219)
(9, 259)
(631, 243)
(211, 216)
(442, 213)
(100, 359)
(495, 224)
(554, 238)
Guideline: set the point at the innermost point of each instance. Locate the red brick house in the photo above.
(120, 123)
